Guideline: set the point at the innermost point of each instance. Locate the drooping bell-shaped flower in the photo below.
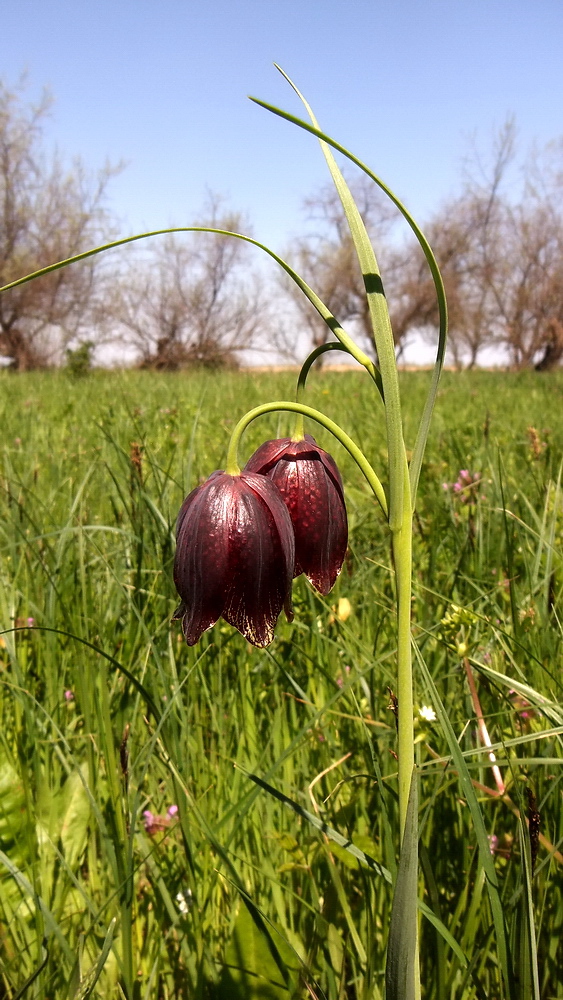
(235, 553)
(311, 486)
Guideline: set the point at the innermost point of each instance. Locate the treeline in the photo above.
(196, 299)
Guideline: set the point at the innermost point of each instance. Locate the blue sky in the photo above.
(163, 85)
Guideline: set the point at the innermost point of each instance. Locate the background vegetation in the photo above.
(108, 720)
(200, 301)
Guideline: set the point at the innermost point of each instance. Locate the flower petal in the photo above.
(234, 557)
(199, 566)
(310, 484)
(261, 556)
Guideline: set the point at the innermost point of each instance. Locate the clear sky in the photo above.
(163, 85)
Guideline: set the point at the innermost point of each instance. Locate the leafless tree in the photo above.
(192, 300)
(47, 212)
(528, 284)
(500, 248)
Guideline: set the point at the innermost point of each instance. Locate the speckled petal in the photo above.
(200, 570)
(311, 486)
(234, 557)
(261, 557)
(266, 456)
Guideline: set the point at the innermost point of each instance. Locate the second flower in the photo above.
(311, 487)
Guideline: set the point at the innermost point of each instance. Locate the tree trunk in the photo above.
(16, 346)
(553, 351)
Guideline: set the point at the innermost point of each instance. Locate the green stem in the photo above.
(232, 466)
(299, 430)
(331, 345)
(402, 556)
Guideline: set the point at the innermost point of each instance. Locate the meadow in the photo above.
(220, 822)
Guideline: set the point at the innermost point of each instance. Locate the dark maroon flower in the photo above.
(310, 484)
(234, 557)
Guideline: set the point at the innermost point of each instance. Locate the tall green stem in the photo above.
(402, 557)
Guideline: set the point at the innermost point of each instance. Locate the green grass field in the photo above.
(107, 719)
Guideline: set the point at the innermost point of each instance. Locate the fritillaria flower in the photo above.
(234, 557)
(311, 486)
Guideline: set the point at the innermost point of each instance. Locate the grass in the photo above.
(240, 894)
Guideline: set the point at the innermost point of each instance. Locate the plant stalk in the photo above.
(402, 557)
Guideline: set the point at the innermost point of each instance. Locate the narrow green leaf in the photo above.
(424, 426)
(51, 923)
(380, 322)
(74, 827)
(314, 299)
(323, 827)
(36, 973)
(97, 649)
(528, 979)
(86, 987)
(251, 970)
(363, 857)
(551, 709)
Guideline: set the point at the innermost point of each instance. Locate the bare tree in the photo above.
(464, 234)
(326, 258)
(528, 283)
(47, 212)
(500, 249)
(192, 299)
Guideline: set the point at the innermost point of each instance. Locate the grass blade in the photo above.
(529, 983)
(86, 987)
(485, 856)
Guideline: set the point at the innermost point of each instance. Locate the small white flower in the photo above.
(184, 900)
(427, 713)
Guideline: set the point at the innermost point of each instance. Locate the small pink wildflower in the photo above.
(172, 811)
(69, 695)
(522, 706)
(153, 823)
(464, 486)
